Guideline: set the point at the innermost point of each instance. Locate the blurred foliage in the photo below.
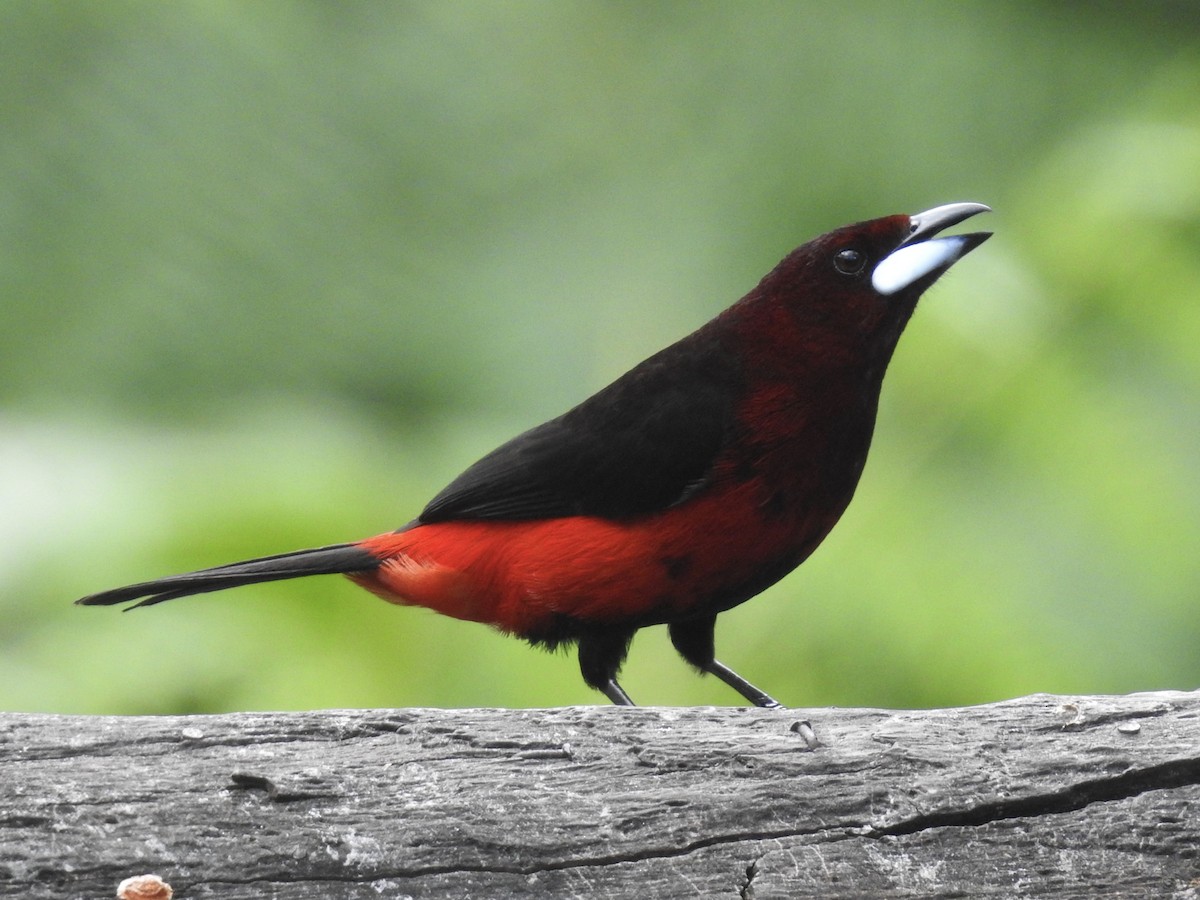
(273, 273)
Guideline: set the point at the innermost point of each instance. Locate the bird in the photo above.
(700, 477)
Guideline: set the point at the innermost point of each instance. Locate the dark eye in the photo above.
(849, 262)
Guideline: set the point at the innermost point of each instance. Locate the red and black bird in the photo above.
(688, 485)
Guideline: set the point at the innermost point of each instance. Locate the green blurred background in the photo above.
(273, 273)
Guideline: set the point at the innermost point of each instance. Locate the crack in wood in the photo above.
(746, 888)
(1165, 776)
(541, 868)
(1090, 720)
(247, 781)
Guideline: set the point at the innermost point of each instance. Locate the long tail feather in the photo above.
(335, 559)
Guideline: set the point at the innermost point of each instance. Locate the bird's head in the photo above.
(858, 285)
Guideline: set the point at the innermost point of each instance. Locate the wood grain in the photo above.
(1037, 797)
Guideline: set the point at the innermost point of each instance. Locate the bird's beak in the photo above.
(921, 257)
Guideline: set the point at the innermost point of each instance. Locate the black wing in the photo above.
(644, 443)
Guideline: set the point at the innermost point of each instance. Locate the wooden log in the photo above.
(1038, 797)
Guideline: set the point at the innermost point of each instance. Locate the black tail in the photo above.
(337, 558)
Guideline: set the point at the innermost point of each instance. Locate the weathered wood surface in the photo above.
(1038, 797)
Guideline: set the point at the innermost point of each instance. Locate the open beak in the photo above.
(921, 257)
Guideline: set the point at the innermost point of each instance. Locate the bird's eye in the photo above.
(849, 262)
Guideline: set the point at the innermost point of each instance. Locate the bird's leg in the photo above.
(601, 653)
(755, 695)
(616, 693)
(694, 641)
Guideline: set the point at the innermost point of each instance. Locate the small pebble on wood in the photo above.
(144, 887)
